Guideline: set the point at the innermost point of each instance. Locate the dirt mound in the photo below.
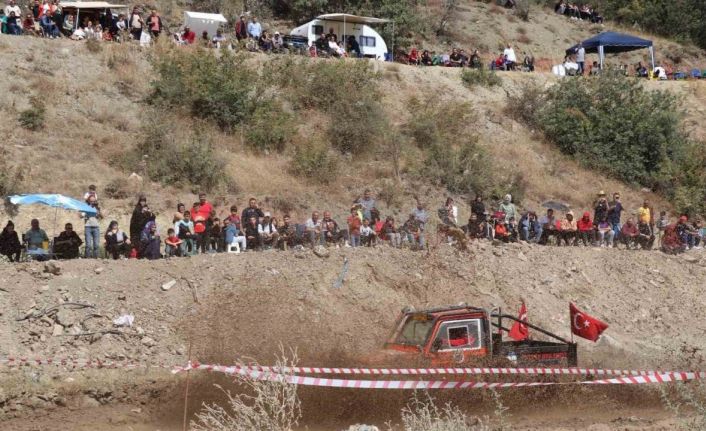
(235, 306)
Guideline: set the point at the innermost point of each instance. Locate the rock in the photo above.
(52, 267)
(321, 251)
(690, 258)
(358, 427)
(57, 331)
(149, 342)
(168, 285)
(522, 256)
(299, 255)
(88, 401)
(498, 252)
(98, 270)
(64, 318)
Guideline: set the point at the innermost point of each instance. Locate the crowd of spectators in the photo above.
(202, 228)
(583, 12)
(506, 59)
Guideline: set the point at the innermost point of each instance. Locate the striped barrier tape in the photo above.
(433, 384)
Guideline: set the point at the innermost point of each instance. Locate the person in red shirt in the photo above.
(188, 36)
(354, 224)
(199, 218)
(206, 207)
(629, 233)
(585, 229)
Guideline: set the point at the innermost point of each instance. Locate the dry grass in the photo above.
(422, 414)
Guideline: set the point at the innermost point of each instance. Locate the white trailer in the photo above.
(372, 45)
(199, 22)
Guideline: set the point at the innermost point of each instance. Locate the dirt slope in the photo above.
(250, 304)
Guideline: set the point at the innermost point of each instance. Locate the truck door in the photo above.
(458, 342)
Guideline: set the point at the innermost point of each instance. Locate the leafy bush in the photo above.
(179, 155)
(612, 124)
(118, 188)
(93, 45)
(437, 121)
(315, 162)
(33, 117)
(482, 77)
(524, 105)
(270, 128)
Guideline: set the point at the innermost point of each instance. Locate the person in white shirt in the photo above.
(581, 58)
(12, 7)
(368, 237)
(510, 57)
(660, 73)
(313, 228)
(267, 231)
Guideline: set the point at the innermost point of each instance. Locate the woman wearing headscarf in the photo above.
(150, 242)
(140, 216)
(117, 242)
(10, 245)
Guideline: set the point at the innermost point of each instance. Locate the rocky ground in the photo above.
(222, 307)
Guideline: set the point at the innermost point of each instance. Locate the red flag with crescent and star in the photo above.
(585, 326)
(519, 330)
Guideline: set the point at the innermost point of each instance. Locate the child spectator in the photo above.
(185, 232)
(172, 245)
(604, 234)
(368, 236)
(354, 225)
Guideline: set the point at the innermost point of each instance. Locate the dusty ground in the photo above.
(249, 304)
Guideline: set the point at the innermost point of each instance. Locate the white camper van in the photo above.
(344, 25)
(199, 22)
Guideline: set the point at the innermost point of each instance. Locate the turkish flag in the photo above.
(585, 326)
(519, 330)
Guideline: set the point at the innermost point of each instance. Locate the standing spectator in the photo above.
(367, 202)
(241, 29)
(140, 216)
(136, 24)
(509, 57)
(150, 243)
(314, 229)
(91, 192)
(600, 208)
(581, 58)
(478, 207)
(422, 217)
(215, 235)
(645, 214)
(509, 208)
(36, 10)
(12, 7)
(154, 22)
(252, 211)
(66, 245)
(179, 214)
(615, 208)
(92, 230)
(201, 235)
(117, 244)
(662, 224)
(10, 245)
(451, 211)
(254, 29)
(354, 224)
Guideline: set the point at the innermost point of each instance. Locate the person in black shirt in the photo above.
(66, 245)
(141, 215)
(353, 46)
(251, 211)
(252, 234)
(478, 207)
(10, 245)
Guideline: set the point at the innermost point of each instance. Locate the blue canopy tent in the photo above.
(611, 43)
(56, 201)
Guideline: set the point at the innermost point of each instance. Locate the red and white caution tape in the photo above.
(78, 363)
(445, 371)
(254, 374)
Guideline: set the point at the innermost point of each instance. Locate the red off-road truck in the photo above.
(467, 336)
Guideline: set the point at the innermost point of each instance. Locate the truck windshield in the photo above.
(414, 331)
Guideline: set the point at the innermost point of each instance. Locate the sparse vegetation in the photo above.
(33, 117)
(315, 162)
(481, 77)
(93, 45)
(270, 128)
(117, 188)
(422, 414)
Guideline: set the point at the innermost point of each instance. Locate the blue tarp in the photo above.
(57, 201)
(612, 43)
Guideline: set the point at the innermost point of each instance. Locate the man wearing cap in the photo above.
(267, 231)
(241, 29)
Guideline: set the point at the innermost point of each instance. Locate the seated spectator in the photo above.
(67, 27)
(13, 25)
(172, 244)
(560, 7)
(389, 232)
(265, 41)
(498, 63)
(184, 229)
(331, 232)
(549, 227)
(354, 224)
(49, 26)
(205, 40)
(28, 25)
(594, 69)
(219, 39)
(79, 34)
(252, 234)
(604, 234)
(660, 73)
(117, 243)
(268, 232)
(501, 231)
(472, 229)
(314, 229)
(645, 238)
(321, 45)
(107, 35)
(569, 230)
(585, 229)
(368, 237)
(10, 245)
(413, 58)
(684, 230)
(629, 234)
(412, 231)
(475, 62)
(530, 228)
(353, 47)
(331, 35)
(455, 58)
(335, 49)
(150, 243)
(66, 245)
(287, 233)
(672, 242)
(188, 36)
(89, 30)
(640, 70)
(36, 238)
